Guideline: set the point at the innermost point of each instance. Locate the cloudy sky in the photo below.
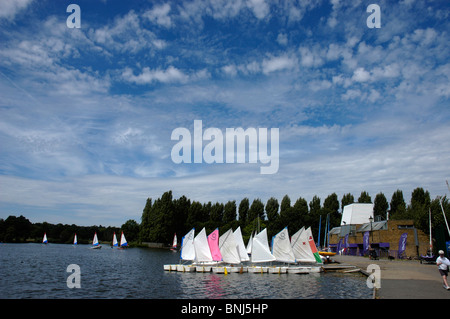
(86, 114)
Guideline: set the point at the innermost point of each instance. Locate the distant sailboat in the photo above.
(95, 244)
(115, 243)
(123, 241)
(75, 240)
(174, 243)
(44, 240)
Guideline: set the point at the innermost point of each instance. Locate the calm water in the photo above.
(38, 271)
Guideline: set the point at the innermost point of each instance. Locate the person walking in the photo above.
(443, 263)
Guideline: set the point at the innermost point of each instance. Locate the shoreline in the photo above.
(401, 279)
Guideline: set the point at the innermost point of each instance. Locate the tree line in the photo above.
(19, 230)
(165, 216)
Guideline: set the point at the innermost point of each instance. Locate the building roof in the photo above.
(375, 226)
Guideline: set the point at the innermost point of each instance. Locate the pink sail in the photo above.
(213, 242)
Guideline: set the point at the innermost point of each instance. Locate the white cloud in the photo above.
(10, 8)
(160, 15)
(147, 76)
(259, 7)
(361, 75)
(278, 63)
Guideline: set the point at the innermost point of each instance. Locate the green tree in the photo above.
(256, 210)
(131, 230)
(418, 208)
(300, 215)
(145, 221)
(347, 199)
(272, 207)
(229, 213)
(380, 205)
(314, 211)
(244, 206)
(398, 206)
(364, 198)
(331, 206)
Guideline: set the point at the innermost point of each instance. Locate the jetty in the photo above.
(400, 279)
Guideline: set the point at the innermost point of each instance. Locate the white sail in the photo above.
(75, 241)
(44, 240)
(281, 247)
(187, 246)
(250, 244)
(228, 248)
(301, 247)
(115, 243)
(260, 248)
(95, 240)
(243, 255)
(202, 251)
(174, 243)
(123, 241)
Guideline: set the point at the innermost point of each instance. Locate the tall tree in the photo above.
(380, 205)
(229, 213)
(364, 198)
(243, 211)
(418, 208)
(331, 206)
(398, 206)
(256, 210)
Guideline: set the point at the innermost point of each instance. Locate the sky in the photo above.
(87, 114)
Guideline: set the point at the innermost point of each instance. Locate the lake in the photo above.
(39, 271)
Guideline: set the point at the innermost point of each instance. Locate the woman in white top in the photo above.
(443, 263)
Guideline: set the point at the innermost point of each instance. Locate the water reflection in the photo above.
(34, 271)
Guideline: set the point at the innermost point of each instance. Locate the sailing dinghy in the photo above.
(230, 254)
(282, 251)
(260, 253)
(44, 240)
(187, 253)
(95, 244)
(75, 240)
(305, 251)
(123, 242)
(174, 243)
(203, 257)
(115, 243)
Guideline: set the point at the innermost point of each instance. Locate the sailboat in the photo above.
(123, 242)
(187, 252)
(282, 251)
(75, 240)
(250, 244)
(95, 244)
(230, 254)
(260, 252)
(203, 257)
(240, 245)
(115, 243)
(305, 252)
(174, 243)
(44, 240)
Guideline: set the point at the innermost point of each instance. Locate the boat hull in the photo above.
(96, 247)
(185, 268)
(257, 269)
(277, 270)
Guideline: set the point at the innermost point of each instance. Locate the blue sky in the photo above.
(86, 114)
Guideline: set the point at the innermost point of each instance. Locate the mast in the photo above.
(443, 213)
(431, 244)
(320, 224)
